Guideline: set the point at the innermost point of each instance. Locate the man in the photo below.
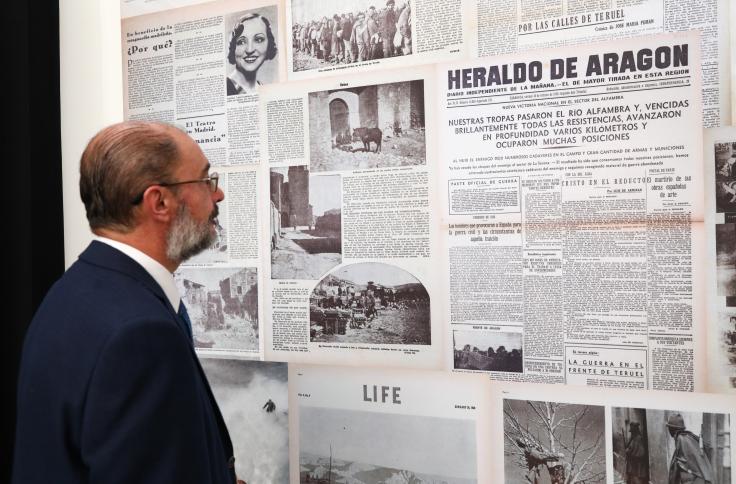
(361, 37)
(387, 24)
(110, 388)
(373, 32)
(347, 29)
(404, 25)
(689, 464)
(637, 456)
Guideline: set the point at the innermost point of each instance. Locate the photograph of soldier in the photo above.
(630, 446)
(252, 53)
(370, 126)
(260, 436)
(339, 446)
(488, 351)
(306, 223)
(370, 302)
(670, 446)
(341, 32)
(725, 169)
(222, 304)
(553, 443)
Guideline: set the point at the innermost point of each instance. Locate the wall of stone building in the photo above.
(277, 180)
(368, 107)
(417, 103)
(299, 194)
(394, 104)
(319, 119)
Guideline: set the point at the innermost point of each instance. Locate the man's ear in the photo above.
(159, 203)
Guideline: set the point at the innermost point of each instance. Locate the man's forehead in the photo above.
(191, 157)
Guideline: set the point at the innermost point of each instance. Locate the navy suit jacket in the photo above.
(110, 389)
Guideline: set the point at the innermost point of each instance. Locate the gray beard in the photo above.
(187, 237)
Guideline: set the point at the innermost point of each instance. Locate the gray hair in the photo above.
(117, 166)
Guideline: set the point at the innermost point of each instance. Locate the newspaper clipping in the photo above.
(200, 68)
(362, 425)
(338, 37)
(607, 436)
(352, 180)
(511, 26)
(572, 194)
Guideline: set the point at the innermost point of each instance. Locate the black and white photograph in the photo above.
(253, 398)
(726, 260)
(338, 445)
(375, 126)
(370, 302)
(342, 32)
(488, 351)
(553, 443)
(725, 189)
(728, 345)
(223, 306)
(306, 223)
(251, 49)
(670, 446)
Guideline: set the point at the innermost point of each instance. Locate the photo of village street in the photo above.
(370, 302)
(306, 223)
(223, 306)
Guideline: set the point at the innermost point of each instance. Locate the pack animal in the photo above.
(366, 135)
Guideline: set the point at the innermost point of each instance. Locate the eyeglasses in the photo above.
(211, 182)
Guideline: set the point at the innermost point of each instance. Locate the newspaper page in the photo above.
(572, 213)
(368, 425)
(719, 148)
(606, 436)
(199, 68)
(253, 397)
(351, 238)
(338, 37)
(519, 25)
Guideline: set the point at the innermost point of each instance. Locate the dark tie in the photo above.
(184, 315)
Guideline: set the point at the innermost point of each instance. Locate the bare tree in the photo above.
(566, 439)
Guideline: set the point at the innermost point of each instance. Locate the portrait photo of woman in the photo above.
(251, 50)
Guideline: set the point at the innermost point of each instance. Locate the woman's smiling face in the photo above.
(251, 46)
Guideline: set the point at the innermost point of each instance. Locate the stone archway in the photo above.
(339, 117)
(346, 108)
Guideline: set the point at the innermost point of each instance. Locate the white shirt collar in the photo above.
(160, 274)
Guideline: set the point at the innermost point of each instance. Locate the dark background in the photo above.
(31, 184)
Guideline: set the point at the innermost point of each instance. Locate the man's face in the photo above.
(194, 228)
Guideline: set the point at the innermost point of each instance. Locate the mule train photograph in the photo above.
(358, 447)
(367, 127)
(223, 306)
(370, 302)
(553, 443)
(306, 223)
(670, 446)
